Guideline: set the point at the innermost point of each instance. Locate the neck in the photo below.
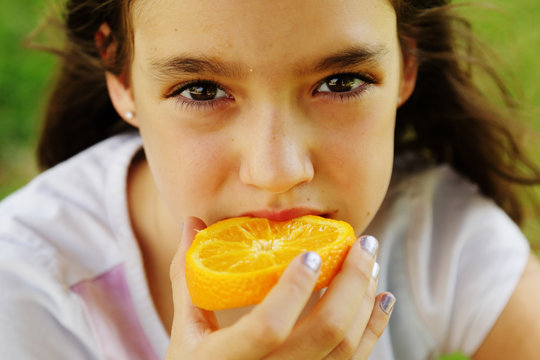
(157, 235)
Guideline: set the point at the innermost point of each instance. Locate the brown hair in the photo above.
(447, 119)
(79, 112)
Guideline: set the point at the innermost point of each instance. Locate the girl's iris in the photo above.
(202, 91)
(340, 83)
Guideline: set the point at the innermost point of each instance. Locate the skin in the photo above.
(276, 145)
(516, 332)
(276, 142)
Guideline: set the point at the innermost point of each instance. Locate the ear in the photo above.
(121, 97)
(409, 72)
(118, 85)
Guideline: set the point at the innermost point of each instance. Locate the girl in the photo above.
(188, 112)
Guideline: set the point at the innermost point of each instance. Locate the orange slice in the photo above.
(235, 262)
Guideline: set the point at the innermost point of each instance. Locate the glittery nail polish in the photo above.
(369, 244)
(387, 303)
(312, 260)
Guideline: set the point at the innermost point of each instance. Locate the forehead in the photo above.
(259, 31)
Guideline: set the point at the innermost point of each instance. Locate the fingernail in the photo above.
(312, 260)
(369, 244)
(375, 271)
(387, 303)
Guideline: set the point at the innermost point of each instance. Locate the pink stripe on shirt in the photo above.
(112, 315)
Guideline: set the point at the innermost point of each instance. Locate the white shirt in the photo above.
(451, 257)
(73, 282)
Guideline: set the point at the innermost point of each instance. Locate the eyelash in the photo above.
(202, 105)
(367, 79)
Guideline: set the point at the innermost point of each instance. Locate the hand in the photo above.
(345, 324)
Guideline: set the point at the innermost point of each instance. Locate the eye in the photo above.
(201, 91)
(341, 83)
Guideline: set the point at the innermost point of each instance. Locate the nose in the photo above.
(276, 156)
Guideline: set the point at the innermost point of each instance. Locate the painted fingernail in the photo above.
(387, 303)
(369, 244)
(375, 271)
(312, 260)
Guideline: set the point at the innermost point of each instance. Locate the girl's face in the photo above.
(267, 108)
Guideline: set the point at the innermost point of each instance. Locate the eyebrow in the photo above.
(348, 58)
(205, 65)
(196, 65)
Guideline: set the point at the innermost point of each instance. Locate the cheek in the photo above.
(362, 138)
(358, 157)
(188, 170)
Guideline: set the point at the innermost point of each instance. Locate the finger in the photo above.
(376, 325)
(347, 347)
(188, 319)
(269, 323)
(319, 333)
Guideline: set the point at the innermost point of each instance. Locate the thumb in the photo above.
(189, 322)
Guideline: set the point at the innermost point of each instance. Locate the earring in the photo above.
(399, 99)
(129, 115)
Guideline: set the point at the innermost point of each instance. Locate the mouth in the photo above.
(286, 214)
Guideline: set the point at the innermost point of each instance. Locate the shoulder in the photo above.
(453, 255)
(70, 210)
(437, 206)
(55, 232)
(517, 330)
(440, 197)
(68, 255)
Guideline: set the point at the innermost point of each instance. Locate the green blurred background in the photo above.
(510, 27)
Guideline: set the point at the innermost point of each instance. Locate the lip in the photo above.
(286, 214)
